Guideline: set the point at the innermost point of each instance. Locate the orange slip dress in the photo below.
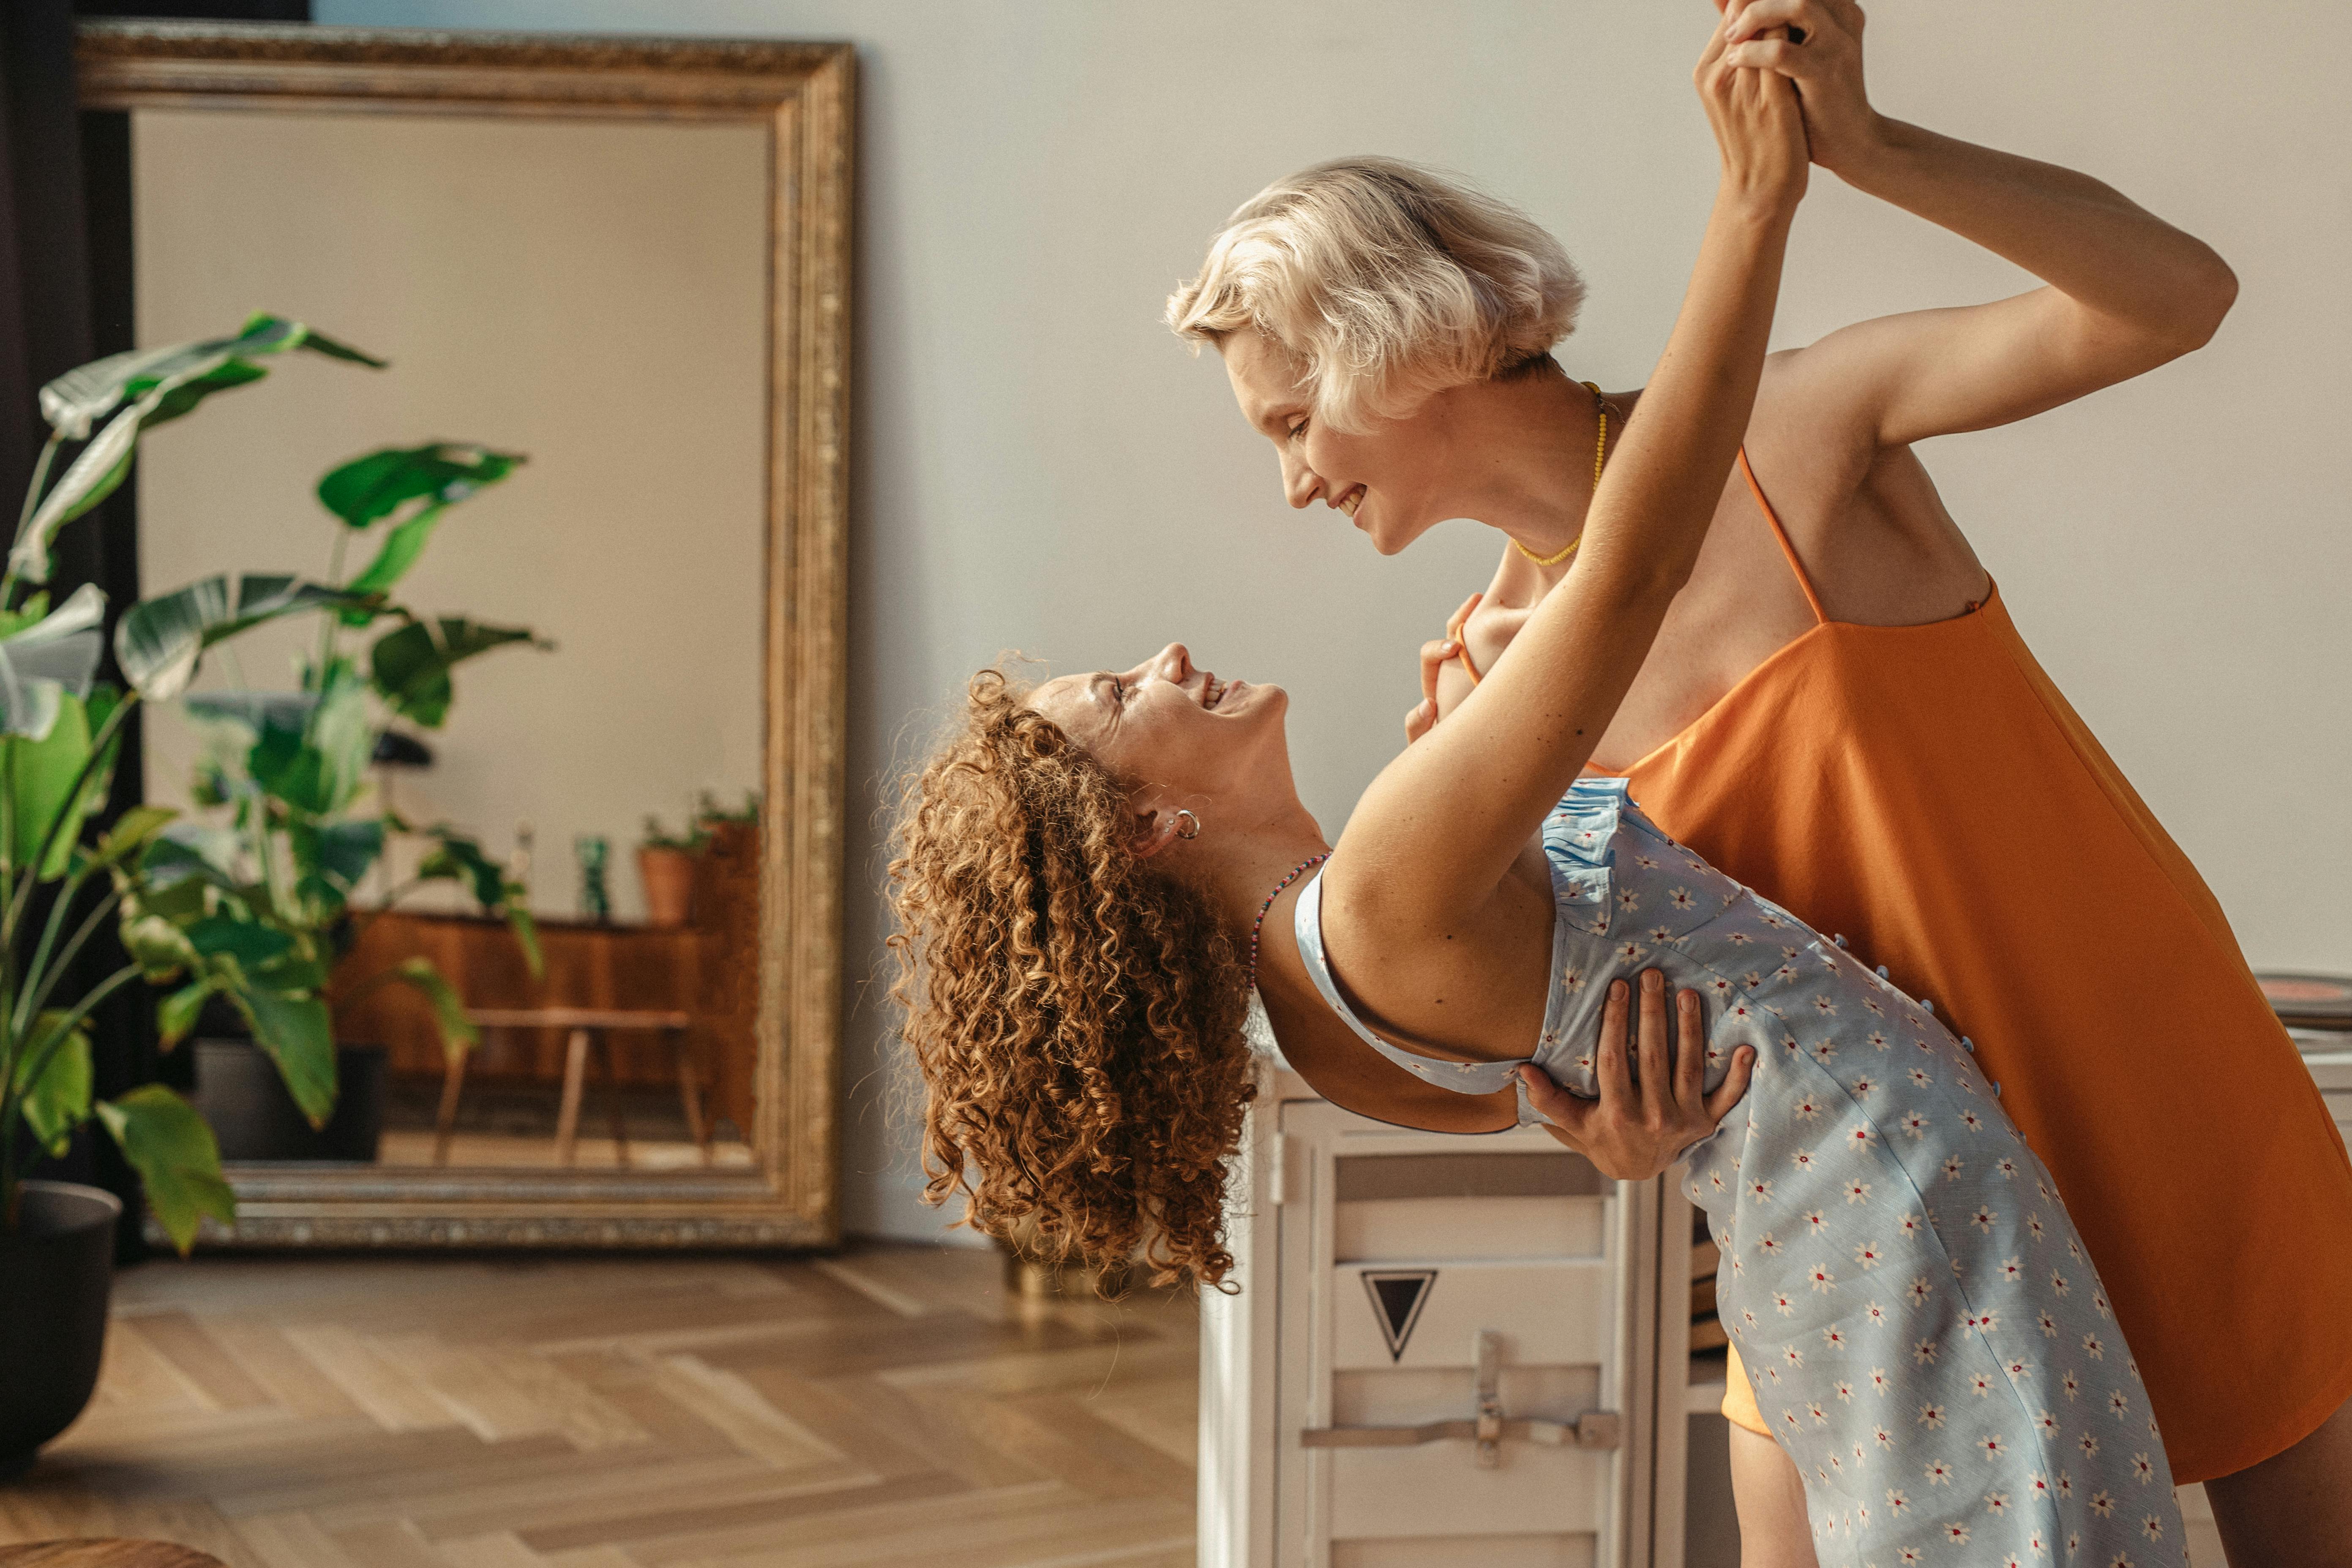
(1927, 793)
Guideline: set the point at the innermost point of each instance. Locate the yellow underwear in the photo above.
(1739, 1397)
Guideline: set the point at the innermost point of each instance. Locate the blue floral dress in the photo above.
(1926, 1332)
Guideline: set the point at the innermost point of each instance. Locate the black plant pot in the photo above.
(239, 1092)
(55, 1270)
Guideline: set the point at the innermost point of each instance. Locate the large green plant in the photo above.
(297, 832)
(60, 731)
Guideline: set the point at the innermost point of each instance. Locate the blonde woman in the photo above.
(1838, 712)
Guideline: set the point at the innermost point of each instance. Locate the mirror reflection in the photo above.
(520, 823)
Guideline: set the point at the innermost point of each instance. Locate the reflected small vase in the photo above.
(594, 853)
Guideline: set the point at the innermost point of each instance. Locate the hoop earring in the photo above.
(1185, 816)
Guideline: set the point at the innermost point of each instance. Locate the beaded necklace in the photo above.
(1295, 872)
(1600, 457)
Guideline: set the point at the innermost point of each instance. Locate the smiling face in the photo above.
(1388, 479)
(1183, 737)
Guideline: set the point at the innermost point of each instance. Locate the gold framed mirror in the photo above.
(684, 410)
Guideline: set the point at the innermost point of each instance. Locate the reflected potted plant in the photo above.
(286, 777)
(666, 871)
(65, 872)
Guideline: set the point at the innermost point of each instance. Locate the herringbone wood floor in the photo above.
(888, 1407)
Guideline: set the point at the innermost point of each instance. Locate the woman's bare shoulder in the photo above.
(1868, 520)
(1799, 433)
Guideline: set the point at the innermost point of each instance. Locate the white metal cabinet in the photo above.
(1374, 1263)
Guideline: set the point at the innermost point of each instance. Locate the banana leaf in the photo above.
(419, 975)
(254, 711)
(156, 945)
(149, 387)
(177, 1157)
(316, 766)
(55, 657)
(174, 401)
(75, 401)
(250, 942)
(457, 858)
(129, 834)
(160, 641)
(176, 1014)
(193, 853)
(411, 664)
(40, 774)
(295, 1032)
(41, 777)
(340, 852)
(59, 1101)
(89, 479)
(439, 473)
(343, 738)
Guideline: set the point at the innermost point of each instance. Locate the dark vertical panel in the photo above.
(45, 330)
(65, 297)
(44, 268)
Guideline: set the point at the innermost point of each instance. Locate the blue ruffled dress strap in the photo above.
(1462, 1078)
(1578, 838)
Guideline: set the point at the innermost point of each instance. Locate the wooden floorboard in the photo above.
(889, 1407)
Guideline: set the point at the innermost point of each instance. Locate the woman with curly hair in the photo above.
(1094, 876)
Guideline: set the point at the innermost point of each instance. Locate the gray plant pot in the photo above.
(57, 1270)
(240, 1095)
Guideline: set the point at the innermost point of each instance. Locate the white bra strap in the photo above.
(1462, 1078)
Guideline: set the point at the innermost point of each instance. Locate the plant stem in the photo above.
(11, 1102)
(8, 876)
(62, 1030)
(331, 620)
(8, 1184)
(279, 908)
(40, 480)
(32, 871)
(7, 808)
(41, 981)
(24, 515)
(39, 965)
(396, 894)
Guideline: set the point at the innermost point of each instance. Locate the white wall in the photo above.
(1039, 465)
(575, 291)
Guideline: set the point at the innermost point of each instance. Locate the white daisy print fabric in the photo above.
(1928, 1337)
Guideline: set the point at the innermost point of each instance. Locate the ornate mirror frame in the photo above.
(802, 95)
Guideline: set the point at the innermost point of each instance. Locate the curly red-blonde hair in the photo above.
(1077, 1015)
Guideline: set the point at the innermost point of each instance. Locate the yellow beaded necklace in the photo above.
(1600, 456)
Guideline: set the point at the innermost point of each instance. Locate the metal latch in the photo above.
(1595, 1429)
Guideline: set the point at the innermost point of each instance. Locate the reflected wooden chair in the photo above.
(585, 1026)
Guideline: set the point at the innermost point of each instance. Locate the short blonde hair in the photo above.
(1384, 281)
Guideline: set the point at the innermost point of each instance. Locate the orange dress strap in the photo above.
(1781, 533)
(1461, 644)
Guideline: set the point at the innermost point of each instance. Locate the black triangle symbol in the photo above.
(1398, 1297)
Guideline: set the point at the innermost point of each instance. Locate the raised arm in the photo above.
(2126, 290)
(1432, 836)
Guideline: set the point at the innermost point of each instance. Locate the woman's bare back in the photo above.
(1868, 523)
